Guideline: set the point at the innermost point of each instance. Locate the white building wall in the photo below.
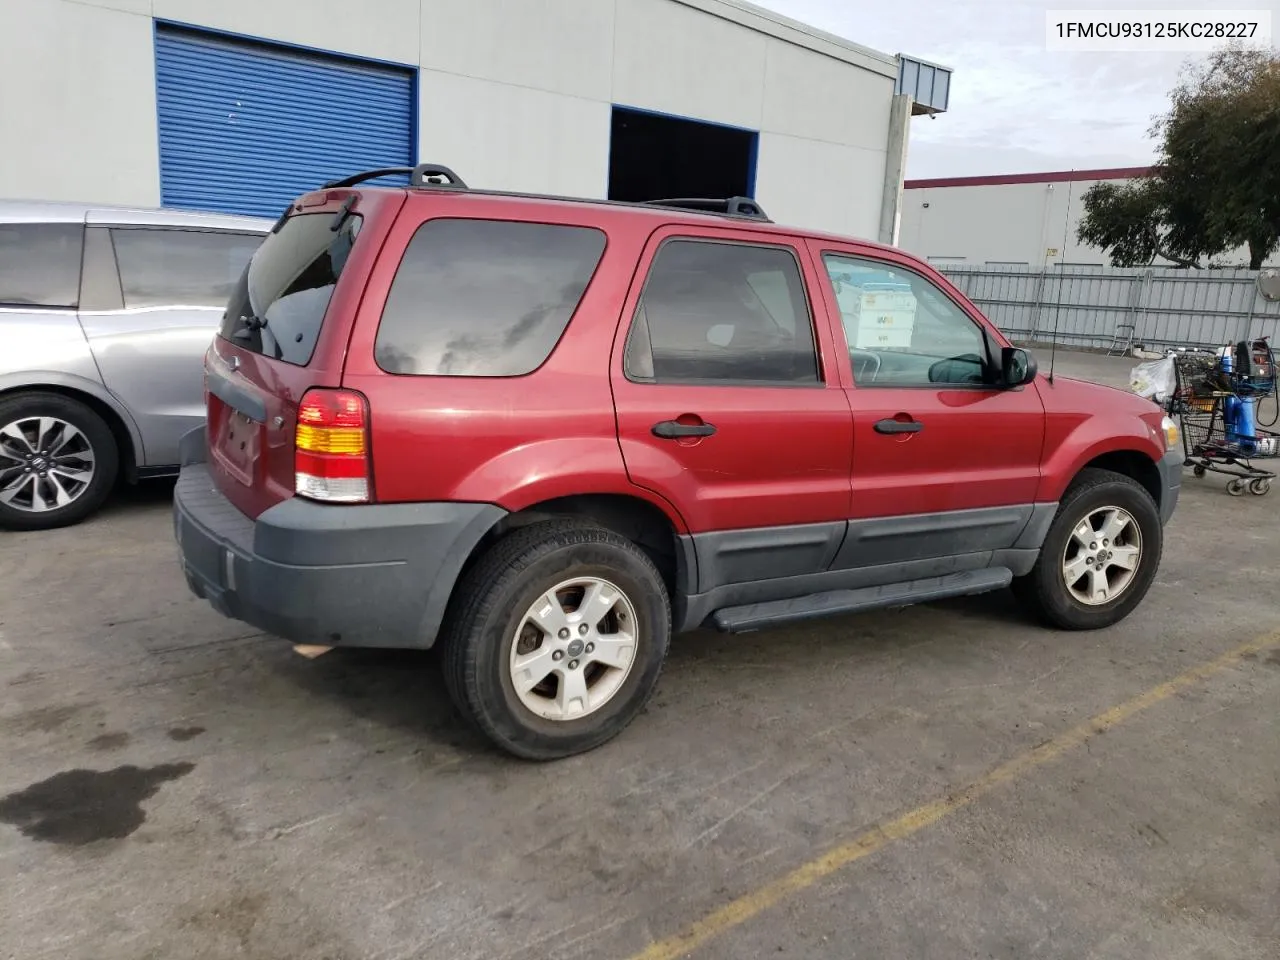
(78, 101)
(998, 223)
(1007, 223)
(513, 95)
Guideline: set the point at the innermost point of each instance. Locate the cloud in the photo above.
(1015, 107)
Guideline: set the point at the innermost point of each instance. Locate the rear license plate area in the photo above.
(237, 446)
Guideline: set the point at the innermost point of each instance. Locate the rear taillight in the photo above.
(331, 459)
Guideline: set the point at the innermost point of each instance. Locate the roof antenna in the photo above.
(1057, 307)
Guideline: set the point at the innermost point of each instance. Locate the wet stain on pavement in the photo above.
(42, 719)
(109, 741)
(183, 734)
(78, 807)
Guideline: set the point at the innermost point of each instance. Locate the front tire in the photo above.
(1100, 556)
(555, 639)
(58, 461)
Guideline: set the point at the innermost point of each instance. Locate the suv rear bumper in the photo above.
(376, 575)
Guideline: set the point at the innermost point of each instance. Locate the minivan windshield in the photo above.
(278, 306)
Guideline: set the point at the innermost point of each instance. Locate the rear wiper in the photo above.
(275, 227)
(343, 213)
(251, 325)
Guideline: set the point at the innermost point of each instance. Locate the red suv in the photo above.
(548, 433)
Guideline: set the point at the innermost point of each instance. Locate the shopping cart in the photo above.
(1216, 397)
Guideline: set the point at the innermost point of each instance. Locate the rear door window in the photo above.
(723, 313)
(484, 298)
(165, 267)
(277, 308)
(40, 264)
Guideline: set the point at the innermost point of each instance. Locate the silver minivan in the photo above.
(105, 316)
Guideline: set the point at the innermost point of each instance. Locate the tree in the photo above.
(1134, 223)
(1217, 180)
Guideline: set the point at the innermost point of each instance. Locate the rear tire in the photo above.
(1128, 531)
(526, 662)
(73, 444)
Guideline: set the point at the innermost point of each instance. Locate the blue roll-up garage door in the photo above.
(246, 127)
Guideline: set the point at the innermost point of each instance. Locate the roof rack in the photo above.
(423, 175)
(437, 176)
(731, 206)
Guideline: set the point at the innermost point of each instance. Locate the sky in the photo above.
(1016, 107)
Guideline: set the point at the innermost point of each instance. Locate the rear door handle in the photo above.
(674, 429)
(899, 426)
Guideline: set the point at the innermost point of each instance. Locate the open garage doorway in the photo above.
(653, 156)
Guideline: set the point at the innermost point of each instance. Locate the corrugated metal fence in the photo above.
(1113, 308)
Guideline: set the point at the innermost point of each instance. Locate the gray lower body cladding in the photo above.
(362, 576)
(743, 567)
(1170, 467)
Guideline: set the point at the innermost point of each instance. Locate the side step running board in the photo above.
(755, 616)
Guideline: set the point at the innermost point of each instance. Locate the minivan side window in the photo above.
(166, 267)
(902, 330)
(40, 264)
(719, 312)
(484, 298)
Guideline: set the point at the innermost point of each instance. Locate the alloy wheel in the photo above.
(46, 464)
(573, 649)
(1102, 556)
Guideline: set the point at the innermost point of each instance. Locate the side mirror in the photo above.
(1017, 366)
(1269, 284)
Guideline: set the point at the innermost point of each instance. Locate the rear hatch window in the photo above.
(278, 306)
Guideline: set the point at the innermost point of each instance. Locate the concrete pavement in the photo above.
(175, 785)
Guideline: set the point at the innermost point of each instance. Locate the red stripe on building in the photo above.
(1058, 176)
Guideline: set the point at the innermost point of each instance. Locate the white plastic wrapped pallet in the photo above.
(876, 315)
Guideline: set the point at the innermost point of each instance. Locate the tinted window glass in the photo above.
(902, 330)
(484, 298)
(718, 311)
(40, 264)
(189, 268)
(279, 303)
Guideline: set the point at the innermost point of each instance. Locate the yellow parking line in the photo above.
(751, 904)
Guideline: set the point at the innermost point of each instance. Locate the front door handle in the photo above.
(675, 430)
(898, 426)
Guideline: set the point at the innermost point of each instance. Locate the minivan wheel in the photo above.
(555, 639)
(1100, 556)
(58, 461)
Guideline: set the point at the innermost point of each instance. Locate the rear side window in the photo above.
(190, 268)
(723, 312)
(484, 298)
(40, 264)
(279, 303)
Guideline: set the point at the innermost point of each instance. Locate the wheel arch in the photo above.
(639, 519)
(1134, 453)
(1133, 464)
(96, 398)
